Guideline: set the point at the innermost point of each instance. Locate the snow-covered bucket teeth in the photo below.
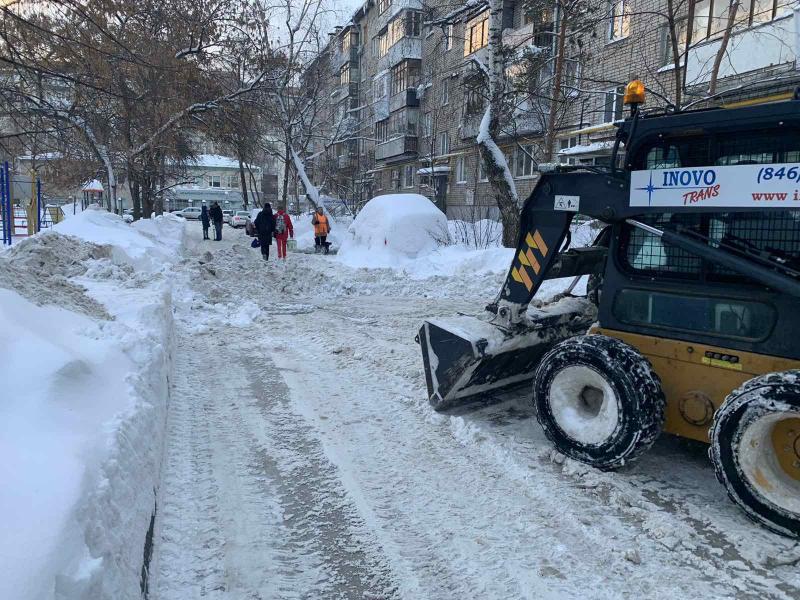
(466, 357)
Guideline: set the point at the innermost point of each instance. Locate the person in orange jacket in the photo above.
(283, 231)
(322, 228)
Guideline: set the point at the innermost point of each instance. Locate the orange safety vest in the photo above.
(320, 225)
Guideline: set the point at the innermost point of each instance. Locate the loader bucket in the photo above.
(466, 357)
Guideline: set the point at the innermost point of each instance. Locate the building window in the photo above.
(214, 181)
(473, 102)
(344, 75)
(382, 130)
(405, 75)
(711, 16)
(482, 176)
(461, 170)
(667, 55)
(383, 6)
(476, 33)
(572, 75)
(427, 124)
(379, 87)
(395, 179)
(620, 19)
(402, 122)
(445, 92)
(448, 37)
(380, 44)
(234, 181)
(408, 24)
(408, 176)
(612, 109)
(444, 143)
(523, 166)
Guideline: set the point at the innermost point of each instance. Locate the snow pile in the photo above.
(141, 244)
(87, 343)
(393, 228)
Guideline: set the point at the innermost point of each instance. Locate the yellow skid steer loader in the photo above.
(692, 320)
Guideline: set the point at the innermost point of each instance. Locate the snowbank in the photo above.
(393, 228)
(86, 332)
(145, 244)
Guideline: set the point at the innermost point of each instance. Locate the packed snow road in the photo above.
(304, 462)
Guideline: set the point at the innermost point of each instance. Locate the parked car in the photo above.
(191, 212)
(226, 216)
(240, 218)
(127, 215)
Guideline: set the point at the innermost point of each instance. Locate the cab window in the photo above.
(774, 235)
(716, 316)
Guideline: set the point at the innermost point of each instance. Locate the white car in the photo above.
(239, 218)
(127, 216)
(191, 212)
(226, 216)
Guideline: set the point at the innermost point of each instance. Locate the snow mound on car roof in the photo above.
(392, 228)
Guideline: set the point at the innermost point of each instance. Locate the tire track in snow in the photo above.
(476, 506)
(249, 506)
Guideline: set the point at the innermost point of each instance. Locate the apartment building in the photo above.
(412, 98)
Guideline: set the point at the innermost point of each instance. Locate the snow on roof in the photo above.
(40, 156)
(92, 186)
(215, 161)
(427, 170)
(593, 147)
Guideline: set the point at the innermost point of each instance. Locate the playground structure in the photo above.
(22, 211)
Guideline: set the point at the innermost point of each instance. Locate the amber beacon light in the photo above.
(634, 93)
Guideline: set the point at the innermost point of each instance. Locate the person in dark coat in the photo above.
(216, 216)
(265, 227)
(206, 220)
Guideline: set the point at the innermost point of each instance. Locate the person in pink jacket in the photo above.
(283, 231)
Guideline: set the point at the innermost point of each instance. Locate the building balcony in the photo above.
(381, 108)
(396, 7)
(408, 98)
(342, 91)
(470, 125)
(346, 162)
(407, 47)
(341, 58)
(396, 147)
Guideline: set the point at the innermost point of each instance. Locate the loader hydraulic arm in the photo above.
(544, 227)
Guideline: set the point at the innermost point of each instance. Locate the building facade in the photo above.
(406, 97)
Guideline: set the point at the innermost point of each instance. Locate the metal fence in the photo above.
(22, 211)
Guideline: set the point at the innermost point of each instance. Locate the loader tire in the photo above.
(598, 400)
(755, 448)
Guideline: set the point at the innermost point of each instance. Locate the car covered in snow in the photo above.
(239, 218)
(127, 216)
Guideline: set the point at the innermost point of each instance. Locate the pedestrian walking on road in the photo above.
(322, 228)
(283, 231)
(206, 220)
(216, 217)
(265, 227)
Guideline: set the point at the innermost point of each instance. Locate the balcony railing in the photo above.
(396, 147)
(404, 99)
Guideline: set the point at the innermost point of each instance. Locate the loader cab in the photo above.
(685, 313)
(652, 287)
